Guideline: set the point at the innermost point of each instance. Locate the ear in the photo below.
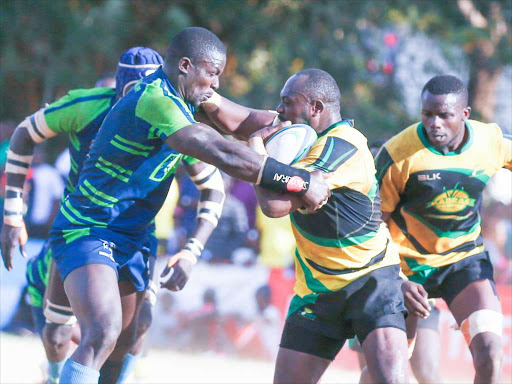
(318, 107)
(184, 64)
(466, 112)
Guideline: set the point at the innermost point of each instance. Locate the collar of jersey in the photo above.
(161, 74)
(431, 148)
(342, 122)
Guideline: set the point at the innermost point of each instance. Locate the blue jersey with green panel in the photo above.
(80, 114)
(126, 177)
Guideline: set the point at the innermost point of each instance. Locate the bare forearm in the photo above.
(274, 204)
(20, 144)
(238, 120)
(203, 143)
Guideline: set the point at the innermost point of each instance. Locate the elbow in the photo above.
(272, 211)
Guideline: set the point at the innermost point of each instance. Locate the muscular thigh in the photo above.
(475, 296)
(94, 294)
(55, 292)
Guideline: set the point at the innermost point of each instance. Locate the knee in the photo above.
(57, 335)
(101, 335)
(145, 319)
(427, 373)
(487, 358)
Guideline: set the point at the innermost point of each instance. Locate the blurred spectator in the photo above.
(107, 80)
(164, 326)
(244, 192)
(44, 197)
(231, 231)
(264, 330)
(63, 164)
(277, 243)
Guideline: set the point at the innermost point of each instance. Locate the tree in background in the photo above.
(47, 47)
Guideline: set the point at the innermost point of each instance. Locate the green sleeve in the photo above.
(77, 109)
(165, 112)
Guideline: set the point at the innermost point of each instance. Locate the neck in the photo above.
(329, 120)
(174, 78)
(458, 142)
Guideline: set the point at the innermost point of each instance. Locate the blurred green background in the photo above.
(380, 52)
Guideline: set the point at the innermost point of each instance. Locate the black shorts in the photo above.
(448, 281)
(372, 301)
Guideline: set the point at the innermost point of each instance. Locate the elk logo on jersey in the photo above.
(452, 200)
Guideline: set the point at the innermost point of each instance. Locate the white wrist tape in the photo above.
(13, 206)
(17, 164)
(212, 103)
(59, 314)
(194, 246)
(210, 210)
(209, 178)
(484, 320)
(37, 127)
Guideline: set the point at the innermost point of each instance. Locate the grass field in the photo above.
(22, 359)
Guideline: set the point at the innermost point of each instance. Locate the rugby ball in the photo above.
(291, 143)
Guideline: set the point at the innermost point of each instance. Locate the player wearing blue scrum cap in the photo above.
(80, 113)
(124, 182)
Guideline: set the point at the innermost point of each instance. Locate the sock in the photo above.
(76, 373)
(129, 364)
(110, 371)
(54, 371)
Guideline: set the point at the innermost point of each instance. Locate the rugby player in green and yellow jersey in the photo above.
(347, 268)
(431, 177)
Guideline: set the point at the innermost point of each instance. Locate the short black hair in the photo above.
(320, 85)
(447, 84)
(196, 43)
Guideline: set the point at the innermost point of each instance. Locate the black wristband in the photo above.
(283, 178)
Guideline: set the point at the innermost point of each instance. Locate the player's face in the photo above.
(294, 105)
(443, 117)
(203, 78)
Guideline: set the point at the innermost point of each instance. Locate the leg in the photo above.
(304, 355)
(59, 319)
(298, 367)
(385, 350)
(486, 347)
(131, 303)
(94, 295)
(427, 352)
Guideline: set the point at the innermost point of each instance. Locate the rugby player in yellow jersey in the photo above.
(432, 176)
(347, 269)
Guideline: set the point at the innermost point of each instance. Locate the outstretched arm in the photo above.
(209, 181)
(235, 119)
(27, 134)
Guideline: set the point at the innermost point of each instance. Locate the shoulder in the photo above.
(157, 100)
(405, 144)
(489, 130)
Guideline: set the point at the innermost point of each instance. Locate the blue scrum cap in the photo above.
(134, 64)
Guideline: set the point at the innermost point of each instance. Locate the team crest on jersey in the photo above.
(452, 200)
(166, 168)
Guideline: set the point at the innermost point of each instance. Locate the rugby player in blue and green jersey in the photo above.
(80, 113)
(100, 227)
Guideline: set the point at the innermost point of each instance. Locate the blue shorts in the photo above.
(127, 257)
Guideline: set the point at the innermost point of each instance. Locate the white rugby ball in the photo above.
(291, 143)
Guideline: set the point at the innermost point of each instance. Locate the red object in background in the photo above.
(371, 65)
(388, 67)
(390, 39)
